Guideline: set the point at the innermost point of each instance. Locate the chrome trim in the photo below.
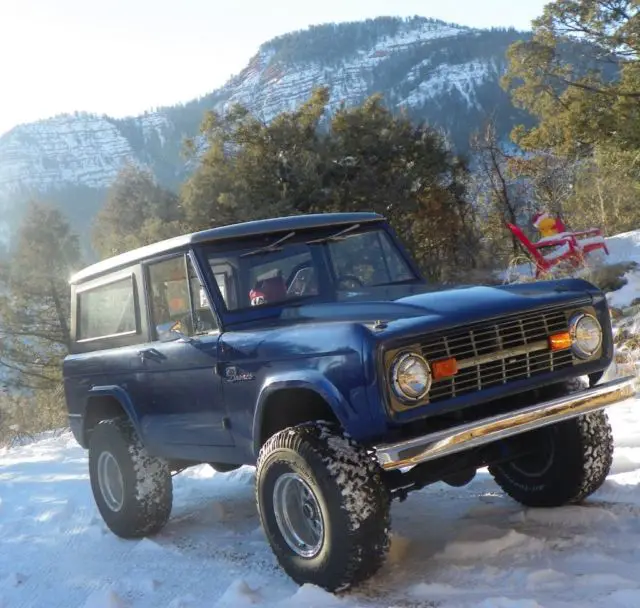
(481, 432)
(395, 379)
(524, 349)
(498, 352)
(122, 334)
(573, 326)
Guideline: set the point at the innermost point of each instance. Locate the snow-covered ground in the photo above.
(452, 548)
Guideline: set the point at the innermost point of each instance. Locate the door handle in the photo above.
(150, 354)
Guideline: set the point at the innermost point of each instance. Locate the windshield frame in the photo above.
(326, 280)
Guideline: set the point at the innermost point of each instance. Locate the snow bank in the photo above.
(239, 594)
(623, 297)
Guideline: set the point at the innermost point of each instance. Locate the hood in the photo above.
(304, 328)
(397, 306)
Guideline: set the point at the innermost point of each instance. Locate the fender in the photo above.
(121, 396)
(310, 380)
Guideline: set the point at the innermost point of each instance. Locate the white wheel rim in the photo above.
(298, 515)
(110, 481)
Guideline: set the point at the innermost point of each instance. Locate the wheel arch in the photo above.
(284, 403)
(104, 402)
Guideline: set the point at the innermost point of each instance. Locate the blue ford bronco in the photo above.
(312, 348)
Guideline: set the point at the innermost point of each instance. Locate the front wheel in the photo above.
(323, 506)
(571, 462)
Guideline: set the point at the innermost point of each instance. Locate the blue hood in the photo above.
(409, 300)
(401, 307)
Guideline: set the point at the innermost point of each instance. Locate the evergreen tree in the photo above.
(137, 212)
(580, 76)
(252, 170)
(364, 158)
(402, 170)
(35, 304)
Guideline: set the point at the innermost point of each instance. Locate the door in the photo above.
(179, 363)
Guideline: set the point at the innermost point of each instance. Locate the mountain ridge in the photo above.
(443, 73)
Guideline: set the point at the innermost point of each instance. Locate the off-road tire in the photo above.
(353, 501)
(147, 483)
(580, 460)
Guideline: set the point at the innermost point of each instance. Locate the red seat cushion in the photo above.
(268, 290)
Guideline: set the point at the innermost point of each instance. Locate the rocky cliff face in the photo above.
(270, 85)
(439, 72)
(79, 149)
(443, 73)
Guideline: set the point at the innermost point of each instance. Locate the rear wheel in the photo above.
(571, 462)
(132, 490)
(323, 506)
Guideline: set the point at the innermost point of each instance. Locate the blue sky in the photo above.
(121, 57)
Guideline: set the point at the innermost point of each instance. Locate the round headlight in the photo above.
(586, 335)
(411, 377)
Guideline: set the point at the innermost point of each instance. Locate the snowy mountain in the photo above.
(444, 73)
(81, 149)
(271, 83)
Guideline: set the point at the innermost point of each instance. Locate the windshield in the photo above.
(286, 268)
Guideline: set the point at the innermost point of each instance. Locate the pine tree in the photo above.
(405, 171)
(137, 212)
(361, 160)
(252, 170)
(580, 76)
(35, 304)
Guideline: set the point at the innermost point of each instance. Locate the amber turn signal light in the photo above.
(560, 341)
(444, 368)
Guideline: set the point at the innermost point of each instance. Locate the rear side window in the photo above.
(107, 310)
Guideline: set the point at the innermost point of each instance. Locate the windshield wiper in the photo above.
(335, 237)
(273, 247)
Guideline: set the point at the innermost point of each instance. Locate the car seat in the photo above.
(268, 290)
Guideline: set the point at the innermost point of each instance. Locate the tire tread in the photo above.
(149, 509)
(365, 500)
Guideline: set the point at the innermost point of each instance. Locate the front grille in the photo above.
(487, 353)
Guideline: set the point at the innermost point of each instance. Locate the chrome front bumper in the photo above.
(481, 432)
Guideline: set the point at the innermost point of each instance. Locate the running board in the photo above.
(481, 432)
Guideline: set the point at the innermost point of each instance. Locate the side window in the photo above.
(177, 299)
(108, 310)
